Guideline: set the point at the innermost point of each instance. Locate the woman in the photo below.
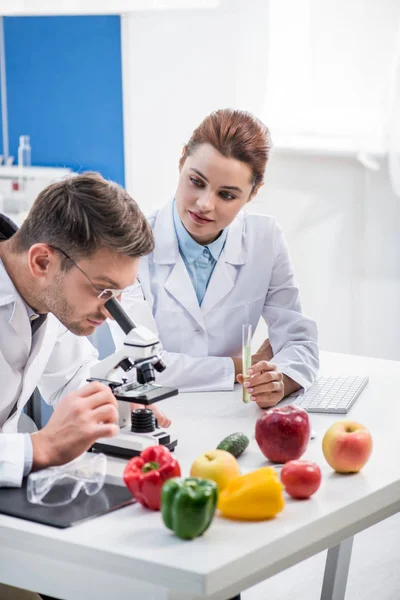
(215, 268)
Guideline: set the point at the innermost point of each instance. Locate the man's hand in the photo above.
(77, 422)
(265, 384)
(162, 419)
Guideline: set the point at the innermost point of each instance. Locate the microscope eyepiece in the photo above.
(160, 366)
(145, 373)
(117, 312)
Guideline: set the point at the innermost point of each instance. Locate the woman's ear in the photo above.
(182, 158)
(255, 191)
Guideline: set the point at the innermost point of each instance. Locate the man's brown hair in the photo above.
(82, 214)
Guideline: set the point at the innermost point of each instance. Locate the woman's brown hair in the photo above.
(235, 134)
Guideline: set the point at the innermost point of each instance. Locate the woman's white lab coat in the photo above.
(253, 278)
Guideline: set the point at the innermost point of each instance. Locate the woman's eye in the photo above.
(227, 196)
(196, 182)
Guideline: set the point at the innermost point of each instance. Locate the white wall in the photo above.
(330, 65)
(93, 7)
(178, 67)
(341, 221)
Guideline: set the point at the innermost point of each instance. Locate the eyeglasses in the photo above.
(105, 294)
(57, 486)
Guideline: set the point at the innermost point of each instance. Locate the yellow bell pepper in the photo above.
(253, 497)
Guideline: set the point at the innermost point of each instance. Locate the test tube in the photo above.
(247, 332)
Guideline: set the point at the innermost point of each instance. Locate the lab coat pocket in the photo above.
(224, 326)
(179, 332)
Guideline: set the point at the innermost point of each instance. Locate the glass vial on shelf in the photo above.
(24, 160)
(247, 334)
(24, 151)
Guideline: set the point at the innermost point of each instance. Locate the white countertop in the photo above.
(131, 546)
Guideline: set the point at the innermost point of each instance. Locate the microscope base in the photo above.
(129, 444)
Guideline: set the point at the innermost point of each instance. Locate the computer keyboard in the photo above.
(331, 394)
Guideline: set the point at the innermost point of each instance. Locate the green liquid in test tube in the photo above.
(247, 332)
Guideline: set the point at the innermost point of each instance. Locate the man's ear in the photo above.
(255, 191)
(41, 260)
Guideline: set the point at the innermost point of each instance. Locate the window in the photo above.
(330, 66)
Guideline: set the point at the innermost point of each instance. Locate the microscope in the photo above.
(140, 355)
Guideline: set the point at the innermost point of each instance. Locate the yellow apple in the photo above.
(218, 465)
(347, 446)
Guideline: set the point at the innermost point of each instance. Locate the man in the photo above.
(79, 245)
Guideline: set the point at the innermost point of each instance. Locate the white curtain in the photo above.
(393, 126)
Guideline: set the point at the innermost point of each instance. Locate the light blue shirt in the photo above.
(199, 260)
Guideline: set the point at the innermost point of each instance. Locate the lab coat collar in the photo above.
(235, 250)
(167, 250)
(217, 245)
(8, 291)
(179, 285)
(178, 282)
(9, 296)
(17, 313)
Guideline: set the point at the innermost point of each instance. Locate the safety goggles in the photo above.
(57, 486)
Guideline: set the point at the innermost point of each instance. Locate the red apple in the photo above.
(283, 433)
(301, 478)
(347, 446)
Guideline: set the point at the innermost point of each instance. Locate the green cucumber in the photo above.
(236, 444)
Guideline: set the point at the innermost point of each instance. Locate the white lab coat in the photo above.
(57, 363)
(253, 278)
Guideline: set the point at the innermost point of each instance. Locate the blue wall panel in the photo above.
(64, 89)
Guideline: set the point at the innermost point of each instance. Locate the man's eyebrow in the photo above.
(225, 187)
(107, 281)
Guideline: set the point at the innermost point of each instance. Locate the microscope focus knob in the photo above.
(143, 420)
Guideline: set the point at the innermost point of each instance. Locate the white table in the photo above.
(129, 554)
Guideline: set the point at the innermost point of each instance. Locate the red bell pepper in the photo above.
(144, 475)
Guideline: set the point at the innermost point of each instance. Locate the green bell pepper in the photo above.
(188, 505)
